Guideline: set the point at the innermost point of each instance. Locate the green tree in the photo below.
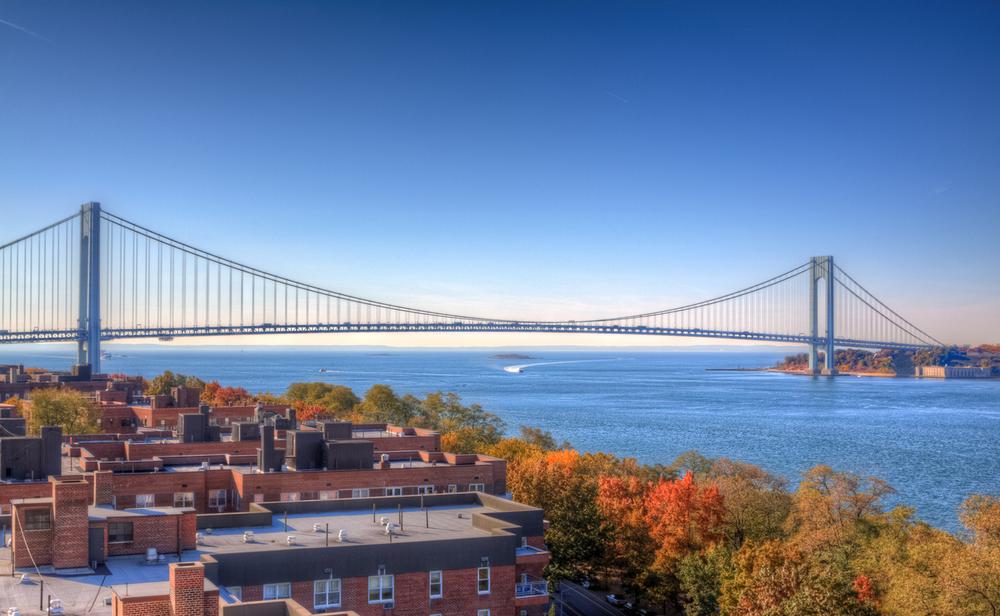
(700, 575)
(335, 400)
(382, 405)
(67, 408)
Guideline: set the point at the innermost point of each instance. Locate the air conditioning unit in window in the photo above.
(388, 605)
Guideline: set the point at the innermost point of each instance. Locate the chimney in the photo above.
(187, 589)
(266, 457)
(51, 451)
(70, 500)
(103, 488)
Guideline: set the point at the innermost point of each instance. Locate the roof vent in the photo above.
(384, 457)
(391, 528)
(199, 538)
(290, 539)
(248, 536)
(151, 555)
(342, 535)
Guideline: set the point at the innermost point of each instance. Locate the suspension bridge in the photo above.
(94, 276)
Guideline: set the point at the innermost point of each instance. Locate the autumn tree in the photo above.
(565, 483)
(621, 500)
(757, 503)
(214, 394)
(163, 383)
(829, 506)
(321, 400)
(67, 408)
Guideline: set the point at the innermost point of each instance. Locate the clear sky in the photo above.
(530, 159)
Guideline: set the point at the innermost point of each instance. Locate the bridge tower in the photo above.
(821, 268)
(89, 345)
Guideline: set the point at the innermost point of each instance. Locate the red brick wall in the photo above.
(271, 485)
(412, 594)
(12, 491)
(32, 546)
(140, 606)
(159, 531)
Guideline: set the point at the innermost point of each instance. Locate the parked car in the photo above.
(614, 600)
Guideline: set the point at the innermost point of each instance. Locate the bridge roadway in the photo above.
(570, 327)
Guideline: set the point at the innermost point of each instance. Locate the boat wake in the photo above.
(519, 368)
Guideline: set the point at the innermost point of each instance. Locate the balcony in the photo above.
(532, 591)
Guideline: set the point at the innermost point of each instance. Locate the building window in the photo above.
(183, 499)
(235, 591)
(277, 591)
(394, 491)
(326, 593)
(485, 612)
(258, 498)
(359, 493)
(380, 588)
(289, 496)
(217, 499)
(310, 496)
(483, 580)
(437, 584)
(36, 519)
(452, 488)
(477, 487)
(119, 532)
(425, 489)
(145, 500)
(327, 495)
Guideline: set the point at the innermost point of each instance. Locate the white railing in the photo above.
(531, 588)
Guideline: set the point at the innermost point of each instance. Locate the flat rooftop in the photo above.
(452, 522)
(85, 591)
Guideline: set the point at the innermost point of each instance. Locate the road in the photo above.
(578, 601)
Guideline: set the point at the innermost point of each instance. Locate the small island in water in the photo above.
(966, 361)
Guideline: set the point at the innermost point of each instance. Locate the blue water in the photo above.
(935, 441)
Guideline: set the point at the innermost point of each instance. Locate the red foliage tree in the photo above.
(683, 517)
(215, 394)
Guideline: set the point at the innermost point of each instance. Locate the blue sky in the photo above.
(570, 159)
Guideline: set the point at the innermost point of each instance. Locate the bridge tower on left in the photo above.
(89, 343)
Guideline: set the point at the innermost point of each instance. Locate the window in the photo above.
(327, 495)
(425, 489)
(394, 491)
(145, 500)
(380, 588)
(235, 591)
(289, 496)
(217, 499)
(437, 585)
(36, 519)
(326, 593)
(277, 591)
(119, 532)
(483, 580)
(477, 487)
(359, 493)
(183, 499)
(485, 612)
(452, 488)
(310, 496)
(258, 498)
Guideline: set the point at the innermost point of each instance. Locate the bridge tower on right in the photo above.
(821, 269)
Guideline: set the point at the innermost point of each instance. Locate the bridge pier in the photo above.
(821, 268)
(88, 346)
